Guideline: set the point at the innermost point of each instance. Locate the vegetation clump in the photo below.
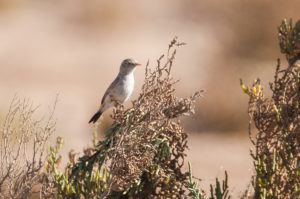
(277, 142)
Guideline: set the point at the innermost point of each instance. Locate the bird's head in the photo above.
(128, 65)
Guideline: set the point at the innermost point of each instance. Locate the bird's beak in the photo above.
(138, 64)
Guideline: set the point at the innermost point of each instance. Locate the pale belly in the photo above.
(126, 89)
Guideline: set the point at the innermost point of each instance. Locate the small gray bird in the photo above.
(120, 89)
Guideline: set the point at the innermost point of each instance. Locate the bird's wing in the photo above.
(109, 90)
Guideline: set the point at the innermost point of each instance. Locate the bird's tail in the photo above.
(96, 116)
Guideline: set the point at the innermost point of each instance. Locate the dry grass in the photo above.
(22, 149)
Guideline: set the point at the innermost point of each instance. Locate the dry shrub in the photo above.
(277, 120)
(150, 138)
(22, 155)
(144, 150)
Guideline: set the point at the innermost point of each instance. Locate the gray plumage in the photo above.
(119, 90)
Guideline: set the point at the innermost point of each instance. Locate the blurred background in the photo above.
(74, 48)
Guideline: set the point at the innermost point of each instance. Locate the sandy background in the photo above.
(75, 47)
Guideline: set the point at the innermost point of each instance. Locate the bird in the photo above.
(119, 90)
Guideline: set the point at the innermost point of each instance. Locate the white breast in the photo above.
(124, 88)
(128, 86)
